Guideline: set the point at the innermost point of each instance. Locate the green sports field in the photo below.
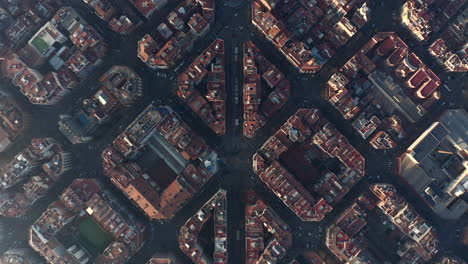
(92, 235)
(40, 44)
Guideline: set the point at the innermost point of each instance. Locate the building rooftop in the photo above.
(162, 260)
(81, 34)
(19, 168)
(82, 204)
(423, 18)
(20, 256)
(452, 260)
(123, 83)
(120, 88)
(349, 237)
(407, 220)
(12, 122)
(52, 87)
(303, 31)
(148, 7)
(190, 20)
(39, 166)
(259, 104)
(258, 249)
(310, 257)
(22, 28)
(215, 208)
(117, 20)
(450, 50)
(161, 134)
(341, 245)
(380, 83)
(84, 36)
(44, 43)
(49, 43)
(308, 129)
(436, 165)
(207, 70)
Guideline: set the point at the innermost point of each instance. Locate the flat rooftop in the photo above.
(391, 90)
(159, 145)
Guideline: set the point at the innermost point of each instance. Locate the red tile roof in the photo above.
(418, 78)
(386, 46)
(147, 7)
